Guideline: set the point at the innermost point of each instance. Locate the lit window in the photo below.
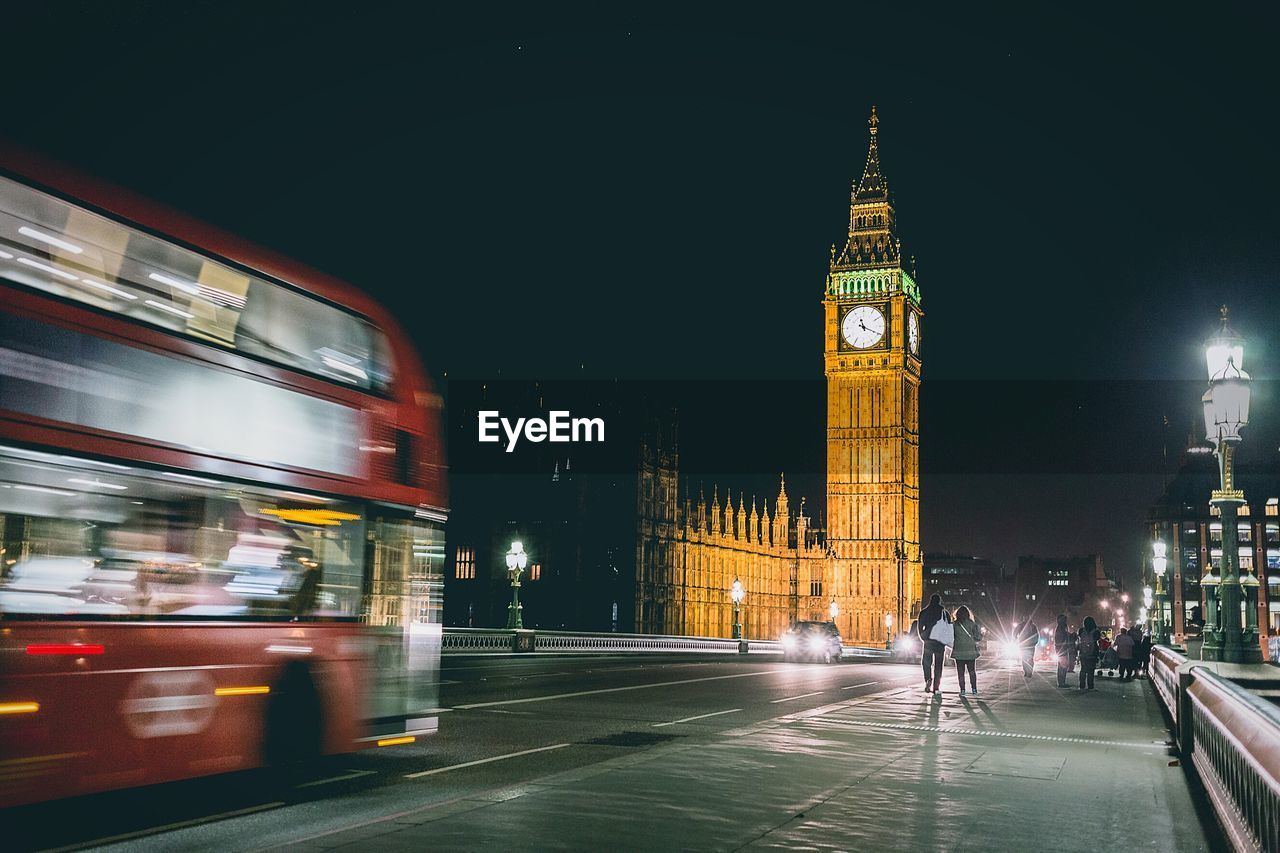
(535, 571)
(1273, 506)
(464, 565)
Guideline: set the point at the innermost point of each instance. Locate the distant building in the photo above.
(974, 582)
(1044, 587)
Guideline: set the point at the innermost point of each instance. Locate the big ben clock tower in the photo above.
(872, 355)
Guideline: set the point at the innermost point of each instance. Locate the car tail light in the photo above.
(76, 649)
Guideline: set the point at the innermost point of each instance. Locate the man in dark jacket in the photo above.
(931, 650)
(1063, 643)
(1028, 635)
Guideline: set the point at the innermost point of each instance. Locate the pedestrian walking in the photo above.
(1027, 635)
(1063, 643)
(931, 650)
(965, 651)
(1144, 654)
(1087, 648)
(1124, 651)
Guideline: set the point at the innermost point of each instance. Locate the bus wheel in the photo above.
(294, 726)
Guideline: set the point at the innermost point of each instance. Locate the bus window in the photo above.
(55, 247)
(107, 539)
(290, 328)
(405, 585)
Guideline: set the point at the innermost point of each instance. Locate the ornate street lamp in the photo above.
(1159, 565)
(1226, 413)
(900, 557)
(1147, 614)
(737, 593)
(517, 559)
(888, 631)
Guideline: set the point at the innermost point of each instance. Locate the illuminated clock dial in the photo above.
(913, 333)
(863, 326)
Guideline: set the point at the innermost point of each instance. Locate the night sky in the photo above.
(599, 195)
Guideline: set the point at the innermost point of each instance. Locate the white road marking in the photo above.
(614, 689)
(988, 733)
(125, 836)
(699, 717)
(506, 711)
(801, 696)
(863, 684)
(484, 761)
(354, 774)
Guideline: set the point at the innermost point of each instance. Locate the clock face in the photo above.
(913, 333)
(863, 327)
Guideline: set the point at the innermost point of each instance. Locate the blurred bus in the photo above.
(221, 501)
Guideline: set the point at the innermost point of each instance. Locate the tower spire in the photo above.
(873, 186)
(873, 230)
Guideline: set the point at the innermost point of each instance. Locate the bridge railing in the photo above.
(1165, 666)
(499, 640)
(1233, 740)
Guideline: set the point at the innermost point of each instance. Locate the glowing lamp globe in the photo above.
(1224, 347)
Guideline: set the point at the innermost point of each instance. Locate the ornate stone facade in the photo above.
(689, 555)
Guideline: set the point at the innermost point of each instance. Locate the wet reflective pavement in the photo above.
(1023, 766)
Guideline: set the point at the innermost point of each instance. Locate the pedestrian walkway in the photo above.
(1026, 765)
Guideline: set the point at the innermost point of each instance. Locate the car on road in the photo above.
(812, 641)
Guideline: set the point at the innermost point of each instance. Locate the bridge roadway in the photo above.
(641, 753)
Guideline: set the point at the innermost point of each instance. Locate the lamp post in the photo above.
(1150, 616)
(737, 593)
(888, 631)
(1226, 412)
(900, 556)
(517, 559)
(1159, 565)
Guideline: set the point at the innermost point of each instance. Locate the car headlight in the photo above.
(906, 644)
(817, 643)
(788, 641)
(1011, 648)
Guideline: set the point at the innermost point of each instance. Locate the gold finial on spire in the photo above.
(874, 120)
(1224, 311)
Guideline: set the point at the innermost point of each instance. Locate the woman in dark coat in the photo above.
(1087, 649)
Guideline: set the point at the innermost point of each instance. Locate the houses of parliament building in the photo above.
(865, 564)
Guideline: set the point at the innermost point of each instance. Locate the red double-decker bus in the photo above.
(221, 501)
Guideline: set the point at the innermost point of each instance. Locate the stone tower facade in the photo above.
(873, 369)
